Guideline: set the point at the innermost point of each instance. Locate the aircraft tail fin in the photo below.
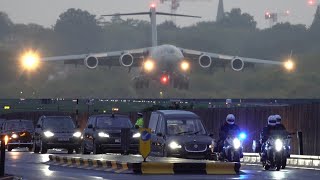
(152, 13)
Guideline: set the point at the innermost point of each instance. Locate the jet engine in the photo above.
(91, 62)
(126, 60)
(237, 64)
(205, 61)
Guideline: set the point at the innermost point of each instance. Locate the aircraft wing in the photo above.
(225, 59)
(105, 58)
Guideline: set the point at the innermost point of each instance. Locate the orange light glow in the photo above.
(185, 65)
(148, 65)
(289, 65)
(30, 60)
(6, 140)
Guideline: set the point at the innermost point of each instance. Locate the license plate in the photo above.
(63, 139)
(117, 140)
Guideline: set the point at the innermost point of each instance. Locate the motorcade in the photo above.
(56, 132)
(177, 133)
(103, 134)
(18, 133)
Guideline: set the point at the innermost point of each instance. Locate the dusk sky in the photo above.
(46, 12)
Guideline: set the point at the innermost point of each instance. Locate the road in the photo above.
(31, 166)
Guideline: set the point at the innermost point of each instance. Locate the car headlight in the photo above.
(77, 134)
(14, 136)
(174, 145)
(136, 135)
(48, 134)
(278, 144)
(236, 143)
(102, 134)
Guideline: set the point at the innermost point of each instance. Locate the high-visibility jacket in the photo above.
(140, 122)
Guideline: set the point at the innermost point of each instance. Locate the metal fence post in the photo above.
(2, 156)
(300, 148)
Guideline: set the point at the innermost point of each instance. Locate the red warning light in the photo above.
(153, 5)
(164, 79)
(287, 12)
(311, 2)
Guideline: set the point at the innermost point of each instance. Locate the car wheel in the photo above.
(70, 151)
(9, 148)
(96, 149)
(35, 148)
(30, 148)
(43, 148)
(84, 149)
(78, 150)
(164, 152)
(284, 163)
(236, 157)
(267, 167)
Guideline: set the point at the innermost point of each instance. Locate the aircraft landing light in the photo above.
(30, 60)
(149, 65)
(289, 65)
(184, 65)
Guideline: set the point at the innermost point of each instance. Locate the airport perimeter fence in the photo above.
(297, 117)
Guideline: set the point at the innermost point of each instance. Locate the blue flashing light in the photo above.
(242, 136)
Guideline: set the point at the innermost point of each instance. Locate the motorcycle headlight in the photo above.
(77, 134)
(48, 134)
(174, 145)
(14, 136)
(278, 144)
(236, 143)
(136, 135)
(102, 134)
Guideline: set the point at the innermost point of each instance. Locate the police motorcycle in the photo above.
(232, 149)
(286, 151)
(274, 153)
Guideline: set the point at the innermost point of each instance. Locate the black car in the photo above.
(103, 134)
(18, 133)
(178, 133)
(56, 132)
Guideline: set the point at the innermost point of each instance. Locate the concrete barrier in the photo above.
(212, 168)
(294, 160)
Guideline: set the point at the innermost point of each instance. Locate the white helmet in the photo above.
(230, 119)
(272, 121)
(278, 118)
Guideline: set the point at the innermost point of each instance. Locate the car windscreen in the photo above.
(19, 125)
(116, 122)
(185, 126)
(58, 123)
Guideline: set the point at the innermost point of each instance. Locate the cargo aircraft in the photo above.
(168, 64)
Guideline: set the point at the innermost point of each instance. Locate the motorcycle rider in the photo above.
(265, 134)
(279, 126)
(228, 127)
(281, 129)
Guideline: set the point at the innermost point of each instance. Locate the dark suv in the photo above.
(179, 134)
(18, 133)
(56, 132)
(103, 134)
